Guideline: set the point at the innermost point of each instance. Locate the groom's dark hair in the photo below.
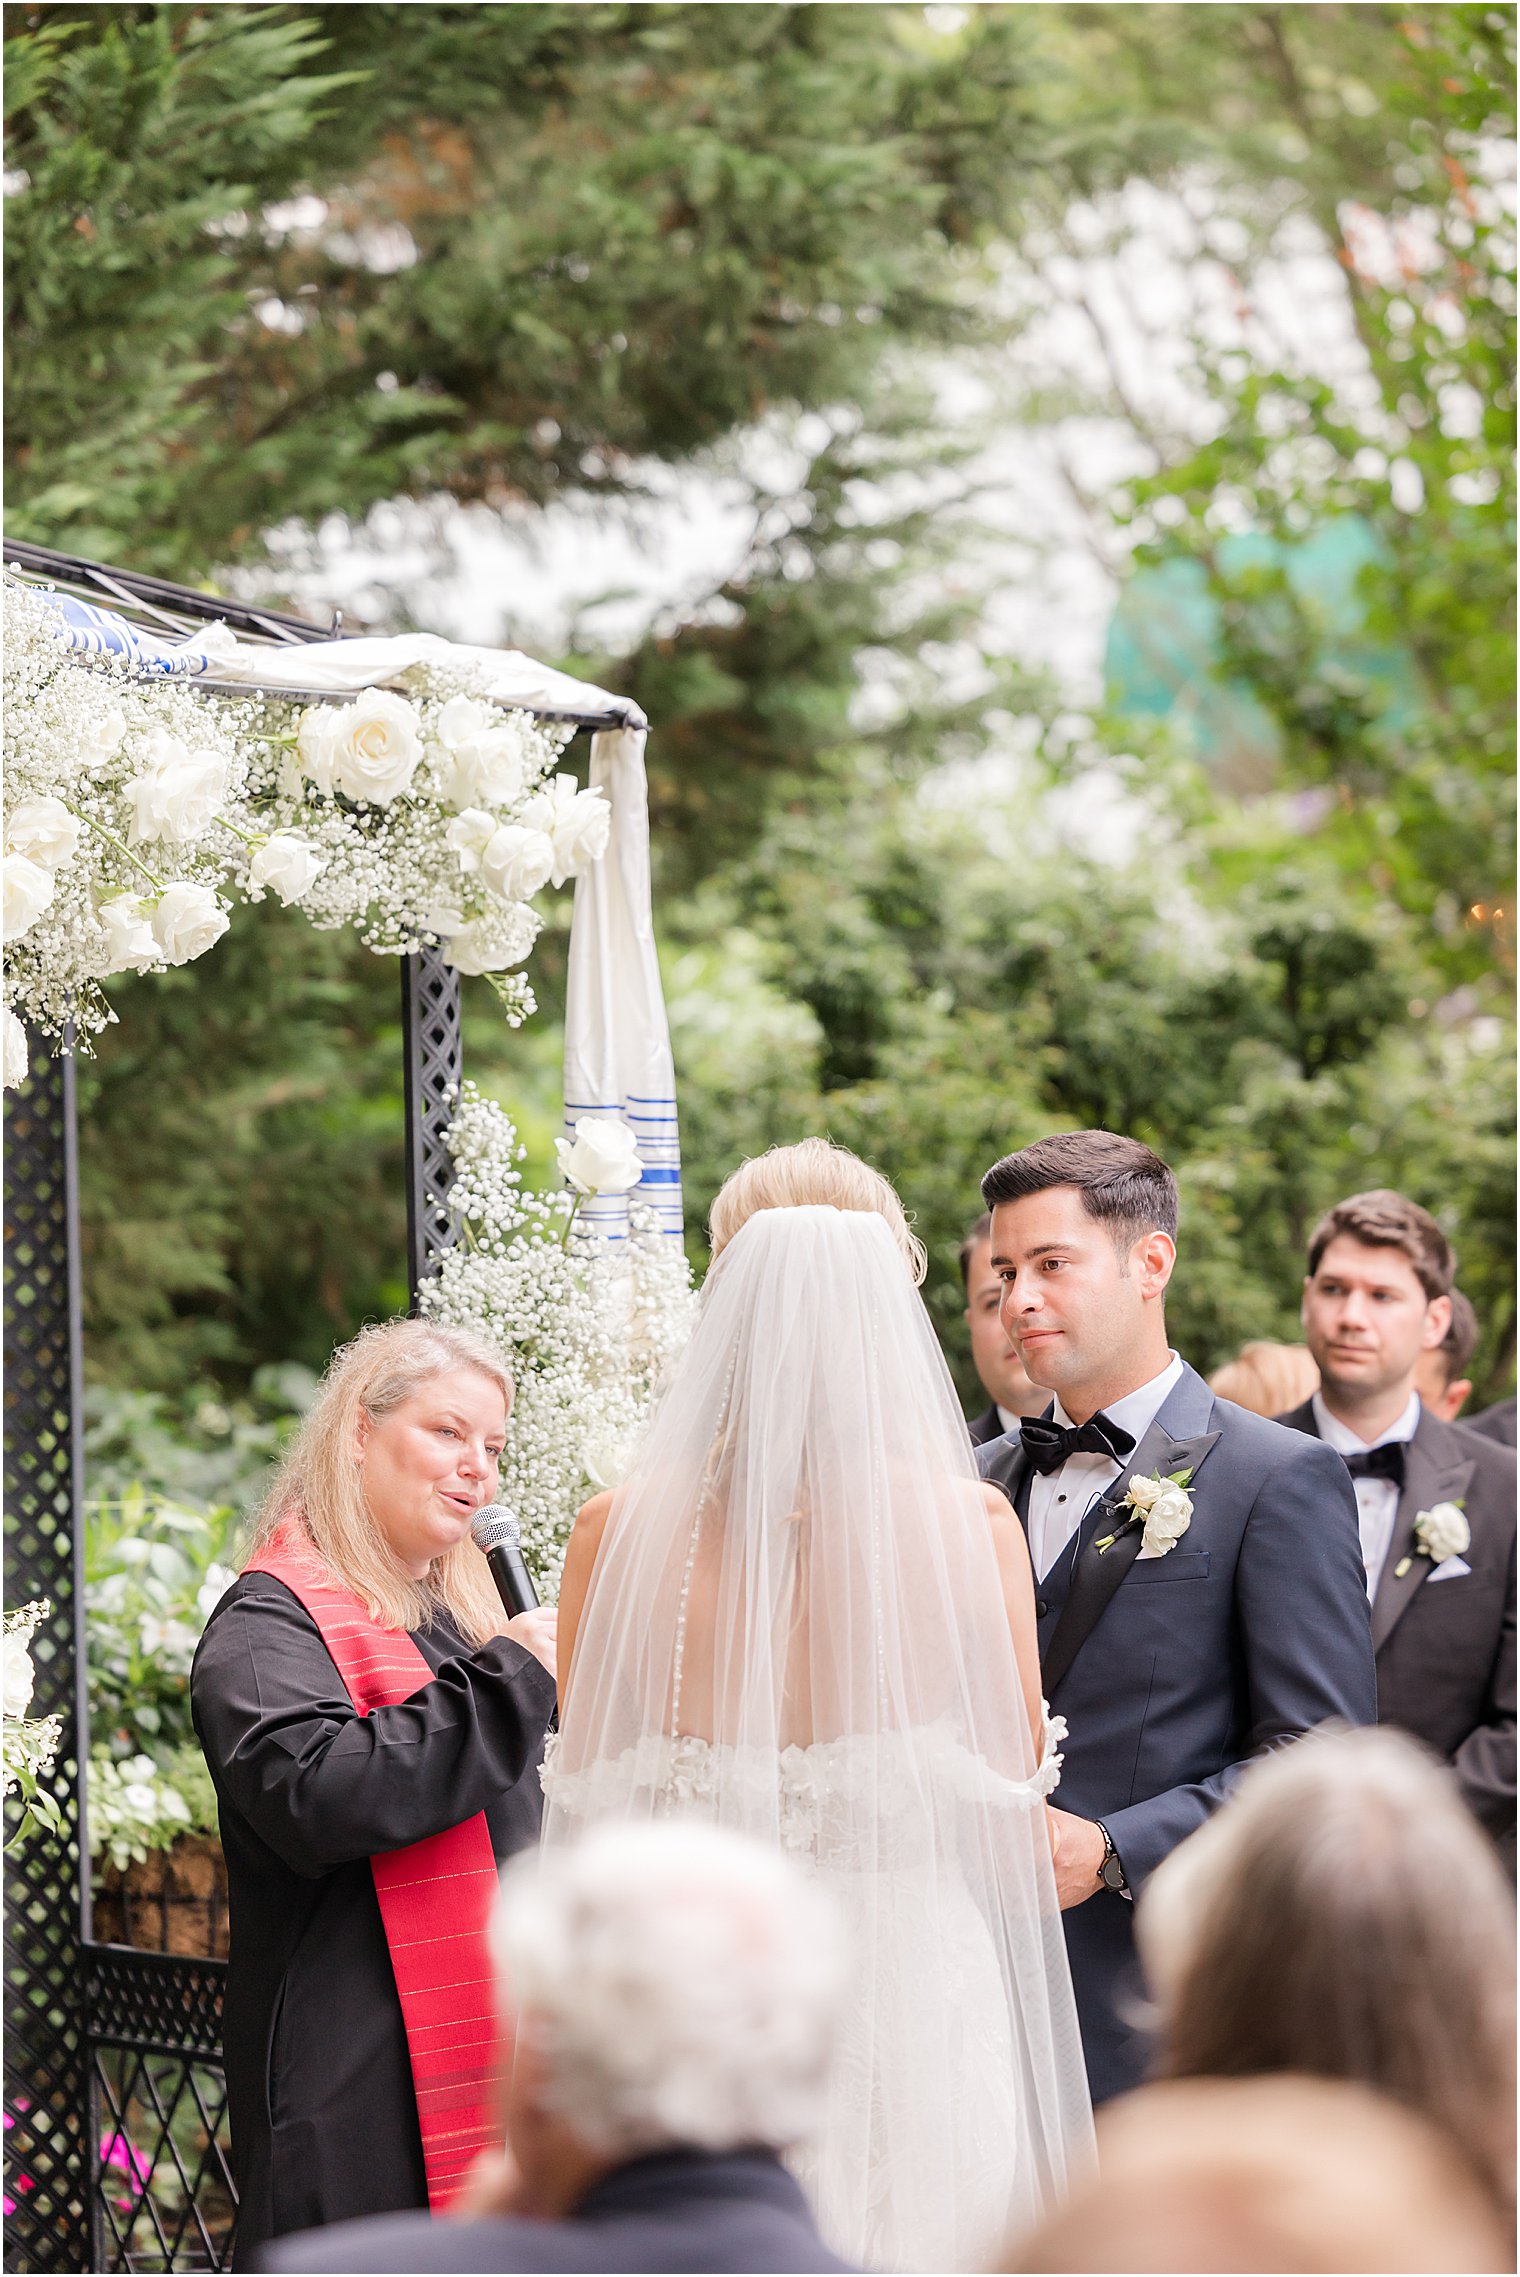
(1122, 1183)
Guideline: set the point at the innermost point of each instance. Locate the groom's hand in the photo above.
(1076, 1848)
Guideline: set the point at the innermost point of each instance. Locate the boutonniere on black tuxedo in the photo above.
(1441, 1533)
(1162, 1506)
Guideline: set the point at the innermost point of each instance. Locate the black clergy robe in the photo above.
(319, 2081)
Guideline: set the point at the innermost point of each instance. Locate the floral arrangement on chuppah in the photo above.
(29, 1742)
(590, 1325)
(137, 809)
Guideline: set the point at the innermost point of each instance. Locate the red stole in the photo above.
(435, 1895)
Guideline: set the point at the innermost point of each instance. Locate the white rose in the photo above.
(177, 796)
(471, 949)
(288, 865)
(43, 830)
(17, 1058)
(186, 922)
(1144, 1491)
(317, 742)
(130, 942)
(578, 822)
(28, 888)
(468, 835)
(19, 1678)
(101, 739)
(1443, 1532)
(603, 1157)
(484, 766)
(516, 862)
(378, 747)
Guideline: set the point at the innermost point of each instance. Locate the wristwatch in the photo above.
(1111, 1872)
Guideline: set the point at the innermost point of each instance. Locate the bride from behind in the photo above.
(804, 1617)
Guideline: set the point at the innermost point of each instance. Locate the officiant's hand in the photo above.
(1077, 1849)
(536, 1632)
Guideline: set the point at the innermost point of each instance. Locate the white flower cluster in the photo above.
(137, 809)
(133, 1809)
(28, 1744)
(590, 1327)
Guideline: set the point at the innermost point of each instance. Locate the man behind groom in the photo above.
(1199, 1586)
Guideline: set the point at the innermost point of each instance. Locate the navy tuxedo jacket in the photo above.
(1171, 1672)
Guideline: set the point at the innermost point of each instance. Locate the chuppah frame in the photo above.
(115, 2100)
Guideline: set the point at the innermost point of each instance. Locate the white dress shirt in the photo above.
(1060, 1500)
(1007, 1418)
(1377, 1499)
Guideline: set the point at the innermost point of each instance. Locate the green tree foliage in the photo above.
(274, 263)
(277, 261)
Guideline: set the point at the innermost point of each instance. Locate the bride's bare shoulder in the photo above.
(591, 1518)
(1007, 1533)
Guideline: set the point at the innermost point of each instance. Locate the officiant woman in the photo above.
(374, 1724)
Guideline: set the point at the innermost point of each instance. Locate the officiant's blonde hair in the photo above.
(813, 1172)
(319, 1483)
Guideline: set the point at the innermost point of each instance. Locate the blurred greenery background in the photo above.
(1241, 885)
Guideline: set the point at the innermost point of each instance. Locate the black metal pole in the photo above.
(48, 2152)
(432, 1048)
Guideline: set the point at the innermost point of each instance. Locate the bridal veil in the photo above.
(796, 1627)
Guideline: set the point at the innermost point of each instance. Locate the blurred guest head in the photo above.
(1440, 1376)
(674, 1986)
(1269, 2174)
(1267, 1378)
(1002, 1372)
(1377, 1295)
(1344, 1915)
(811, 1172)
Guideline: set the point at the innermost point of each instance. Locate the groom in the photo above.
(1183, 1626)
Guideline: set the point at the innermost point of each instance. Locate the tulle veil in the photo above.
(796, 1626)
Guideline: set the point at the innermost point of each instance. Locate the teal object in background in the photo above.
(1164, 656)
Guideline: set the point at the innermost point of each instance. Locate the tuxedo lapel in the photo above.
(1175, 1441)
(1432, 1473)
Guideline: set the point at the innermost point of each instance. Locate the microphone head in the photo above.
(493, 1527)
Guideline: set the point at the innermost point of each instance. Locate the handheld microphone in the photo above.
(495, 1530)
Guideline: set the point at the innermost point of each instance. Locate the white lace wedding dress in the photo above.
(796, 1628)
(927, 2159)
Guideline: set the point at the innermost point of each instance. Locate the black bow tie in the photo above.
(1379, 1462)
(1048, 1444)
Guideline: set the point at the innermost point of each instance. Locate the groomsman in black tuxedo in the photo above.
(1008, 1388)
(1199, 1585)
(1436, 1502)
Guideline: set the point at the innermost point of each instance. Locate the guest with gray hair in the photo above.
(1345, 1918)
(674, 1991)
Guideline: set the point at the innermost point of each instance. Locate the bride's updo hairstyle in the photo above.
(813, 1172)
(320, 1485)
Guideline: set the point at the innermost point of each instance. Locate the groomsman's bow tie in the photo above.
(1379, 1462)
(1048, 1444)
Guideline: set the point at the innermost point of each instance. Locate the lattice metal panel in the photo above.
(433, 1046)
(164, 2195)
(46, 2097)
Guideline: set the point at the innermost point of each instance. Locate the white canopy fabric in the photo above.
(617, 1039)
(346, 666)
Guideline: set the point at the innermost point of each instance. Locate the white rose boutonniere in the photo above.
(1441, 1533)
(1162, 1507)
